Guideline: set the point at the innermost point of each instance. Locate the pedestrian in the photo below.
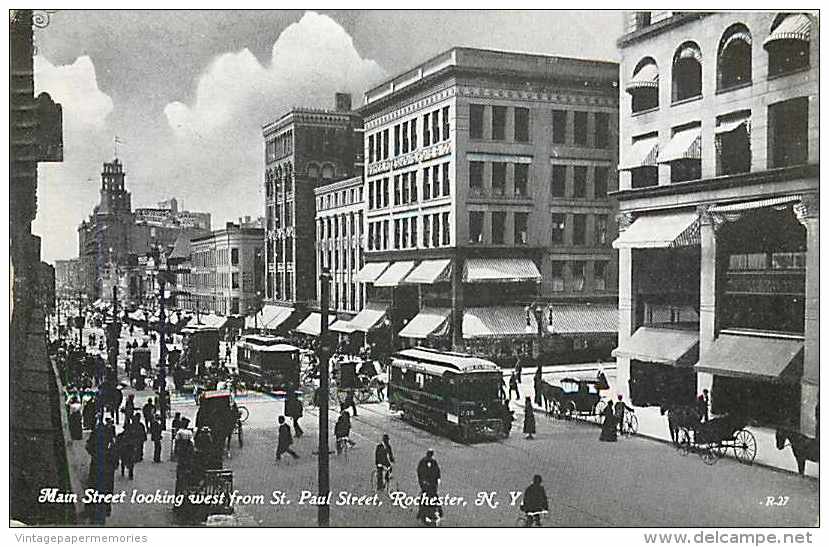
(529, 418)
(382, 382)
(103, 459)
(537, 379)
(387, 444)
(502, 389)
(89, 414)
(428, 477)
(619, 410)
(518, 367)
(342, 431)
(293, 409)
(513, 386)
(126, 452)
(155, 436)
(608, 433)
(284, 440)
(117, 401)
(75, 418)
(184, 447)
(176, 425)
(534, 501)
(149, 411)
(129, 409)
(139, 436)
(349, 402)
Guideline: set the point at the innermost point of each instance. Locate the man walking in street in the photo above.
(284, 440)
(428, 477)
(293, 409)
(126, 452)
(139, 435)
(513, 386)
(155, 435)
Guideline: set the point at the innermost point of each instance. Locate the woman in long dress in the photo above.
(529, 418)
(609, 425)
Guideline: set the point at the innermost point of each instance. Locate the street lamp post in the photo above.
(323, 510)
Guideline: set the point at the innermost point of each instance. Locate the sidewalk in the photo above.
(655, 426)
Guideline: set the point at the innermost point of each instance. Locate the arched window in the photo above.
(328, 171)
(644, 86)
(313, 170)
(788, 43)
(734, 58)
(687, 72)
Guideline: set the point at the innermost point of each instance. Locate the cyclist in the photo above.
(342, 431)
(619, 410)
(534, 501)
(382, 462)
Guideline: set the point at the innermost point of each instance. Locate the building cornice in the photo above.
(308, 116)
(352, 182)
(657, 28)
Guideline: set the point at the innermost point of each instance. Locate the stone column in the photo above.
(707, 292)
(807, 212)
(627, 308)
(457, 302)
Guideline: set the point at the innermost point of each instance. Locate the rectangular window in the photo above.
(413, 133)
(397, 140)
(579, 229)
(413, 186)
(476, 121)
(476, 227)
(521, 178)
(404, 233)
(580, 181)
(445, 118)
(427, 231)
(600, 182)
(558, 183)
(577, 271)
(385, 144)
(397, 189)
(385, 234)
(445, 227)
(436, 230)
(522, 124)
(580, 128)
(378, 146)
(386, 192)
(476, 178)
(234, 256)
(520, 221)
(499, 123)
(601, 230)
(397, 233)
(733, 145)
(499, 178)
(405, 186)
(435, 181)
(557, 276)
(413, 222)
(427, 138)
(371, 148)
(436, 126)
(445, 179)
(499, 224)
(427, 190)
(600, 275)
(559, 126)
(558, 228)
(371, 236)
(404, 130)
(789, 132)
(602, 129)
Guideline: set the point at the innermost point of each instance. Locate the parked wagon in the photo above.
(712, 439)
(573, 397)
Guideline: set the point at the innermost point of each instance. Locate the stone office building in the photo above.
(487, 176)
(718, 197)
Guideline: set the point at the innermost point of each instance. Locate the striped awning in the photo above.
(647, 76)
(757, 204)
(369, 317)
(684, 145)
(395, 274)
(429, 322)
(484, 270)
(576, 319)
(429, 272)
(642, 153)
(690, 51)
(733, 124)
(662, 346)
(370, 272)
(796, 26)
(498, 321)
(751, 356)
(739, 36)
(312, 325)
(661, 231)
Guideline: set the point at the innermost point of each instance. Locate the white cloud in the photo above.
(75, 86)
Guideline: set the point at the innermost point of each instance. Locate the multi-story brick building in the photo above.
(718, 264)
(304, 149)
(226, 272)
(487, 175)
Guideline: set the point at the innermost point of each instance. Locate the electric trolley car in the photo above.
(268, 363)
(454, 394)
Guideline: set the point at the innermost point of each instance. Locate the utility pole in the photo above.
(323, 510)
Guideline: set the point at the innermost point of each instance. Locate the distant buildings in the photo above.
(168, 215)
(719, 218)
(68, 280)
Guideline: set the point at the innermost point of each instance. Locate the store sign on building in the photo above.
(412, 158)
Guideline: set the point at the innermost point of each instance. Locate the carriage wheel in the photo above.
(745, 447)
(683, 441)
(710, 454)
(599, 409)
(243, 413)
(556, 411)
(631, 424)
(569, 410)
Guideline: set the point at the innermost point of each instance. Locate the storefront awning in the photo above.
(733, 125)
(642, 153)
(497, 321)
(429, 272)
(487, 270)
(684, 145)
(796, 26)
(313, 323)
(739, 36)
(581, 319)
(342, 326)
(757, 204)
(429, 322)
(370, 272)
(663, 346)
(369, 317)
(752, 357)
(647, 76)
(211, 320)
(660, 232)
(395, 274)
(270, 317)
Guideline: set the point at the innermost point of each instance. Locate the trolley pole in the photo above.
(323, 510)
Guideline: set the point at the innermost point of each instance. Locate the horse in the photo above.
(680, 416)
(804, 448)
(550, 394)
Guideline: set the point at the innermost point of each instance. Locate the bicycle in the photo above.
(343, 444)
(389, 482)
(526, 518)
(244, 413)
(630, 424)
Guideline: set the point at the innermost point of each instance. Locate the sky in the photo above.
(187, 92)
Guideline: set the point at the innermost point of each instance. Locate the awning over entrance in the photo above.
(342, 326)
(796, 26)
(210, 320)
(643, 153)
(733, 124)
(684, 145)
(751, 356)
(369, 317)
(429, 272)
(371, 271)
(660, 232)
(498, 321)
(647, 76)
(429, 322)
(580, 319)
(486, 270)
(393, 276)
(663, 346)
(271, 317)
(313, 323)
(757, 204)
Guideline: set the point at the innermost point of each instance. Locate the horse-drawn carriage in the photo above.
(358, 378)
(712, 439)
